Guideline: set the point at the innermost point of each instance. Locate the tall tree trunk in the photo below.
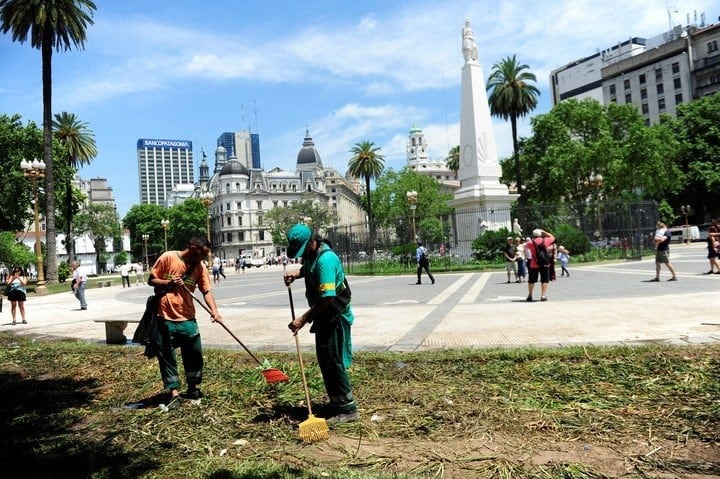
(51, 268)
(516, 157)
(69, 240)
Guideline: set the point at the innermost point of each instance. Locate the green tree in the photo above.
(146, 219)
(101, 223)
(582, 150)
(14, 253)
(512, 97)
(367, 163)
(393, 208)
(453, 159)
(315, 214)
(48, 25)
(187, 219)
(17, 142)
(78, 142)
(696, 129)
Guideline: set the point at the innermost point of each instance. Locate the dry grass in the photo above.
(563, 413)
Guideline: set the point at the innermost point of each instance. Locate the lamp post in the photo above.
(687, 211)
(207, 199)
(596, 181)
(412, 198)
(165, 224)
(145, 238)
(35, 170)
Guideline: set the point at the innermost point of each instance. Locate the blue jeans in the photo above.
(80, 294)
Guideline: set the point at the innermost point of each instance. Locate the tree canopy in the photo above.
(311, 212)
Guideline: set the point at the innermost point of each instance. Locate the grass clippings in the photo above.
(73, 409)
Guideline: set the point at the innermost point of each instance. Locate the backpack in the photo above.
(542, 257)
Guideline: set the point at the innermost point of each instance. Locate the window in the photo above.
(642, 79)
(678, 98)
(259, 205)
(658, 74)
(612, 89)
(626, 84)
(676, 67)
(661, 104)
(628, 98)
(643, 94)
(227, 206)
(660, 89)
(645, 109)
(677, 83)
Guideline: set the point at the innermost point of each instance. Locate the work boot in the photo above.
(343, 417)
(193, 393)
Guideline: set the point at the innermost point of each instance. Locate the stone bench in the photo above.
(103, 283)
(115, 328)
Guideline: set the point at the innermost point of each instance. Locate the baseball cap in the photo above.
(298, 237)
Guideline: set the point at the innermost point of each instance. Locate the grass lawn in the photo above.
(73, 410)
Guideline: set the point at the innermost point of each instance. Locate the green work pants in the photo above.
(186, 336)
(329, 346)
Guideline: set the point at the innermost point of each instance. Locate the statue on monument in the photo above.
(469, 48)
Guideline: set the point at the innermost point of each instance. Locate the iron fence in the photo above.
(625, 225)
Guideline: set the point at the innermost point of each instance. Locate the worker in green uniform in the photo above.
(330, 313)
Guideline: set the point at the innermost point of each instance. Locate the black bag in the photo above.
(148, 331)
(542, 257)
(6, 291)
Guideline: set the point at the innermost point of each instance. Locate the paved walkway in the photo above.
(600, 305)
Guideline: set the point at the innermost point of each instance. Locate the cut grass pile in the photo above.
(73, 409)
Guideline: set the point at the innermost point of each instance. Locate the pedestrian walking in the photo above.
(175, 275)
(538, 259)
(521, 263)
(563, 256)
(330, 313)
(662, 251)
(79, 281)
(423, 263)
(216, 265)
(139, 273)
(510, 255)
(713, 248)
(17, 294)
(125, 275)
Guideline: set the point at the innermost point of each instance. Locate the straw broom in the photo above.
(313, 428)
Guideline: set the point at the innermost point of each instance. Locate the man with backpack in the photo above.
(537, 254)
(422, 263)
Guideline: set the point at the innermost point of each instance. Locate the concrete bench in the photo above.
(115, 328)
(105, 283)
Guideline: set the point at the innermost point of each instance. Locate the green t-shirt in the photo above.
(324, 278)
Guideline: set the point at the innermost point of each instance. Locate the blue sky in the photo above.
(346, 70)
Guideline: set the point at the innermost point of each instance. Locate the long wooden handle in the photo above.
(223, 325)
(300, 358)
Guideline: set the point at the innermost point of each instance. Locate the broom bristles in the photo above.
(314, 429)
(273, 375)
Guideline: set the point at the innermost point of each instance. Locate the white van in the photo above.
(684, 234)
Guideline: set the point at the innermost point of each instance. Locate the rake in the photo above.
(272, 375)
(313, 428)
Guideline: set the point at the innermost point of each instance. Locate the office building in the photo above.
(242, 145)
(163, 164)
(655, 74)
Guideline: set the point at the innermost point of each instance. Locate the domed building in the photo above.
(242, 196)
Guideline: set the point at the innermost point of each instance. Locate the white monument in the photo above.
(481, 202)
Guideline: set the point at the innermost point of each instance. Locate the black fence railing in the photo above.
(625, 225)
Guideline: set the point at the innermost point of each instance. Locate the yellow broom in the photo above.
(313, 428)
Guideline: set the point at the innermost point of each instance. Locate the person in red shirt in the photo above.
(535, 268)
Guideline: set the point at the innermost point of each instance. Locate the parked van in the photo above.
(684, 234)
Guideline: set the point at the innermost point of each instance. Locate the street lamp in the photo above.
(207, 199)
(596, 182)
(165, 224)
(35, 170)
(412, 198)
(145, 238)
(687, 211)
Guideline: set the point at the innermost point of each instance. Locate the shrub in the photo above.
(489, 245)
(572, 239)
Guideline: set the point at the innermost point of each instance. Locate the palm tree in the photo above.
(79, 143)
(48, 24)
(453, 160)
(512, 97)
(367, 163)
